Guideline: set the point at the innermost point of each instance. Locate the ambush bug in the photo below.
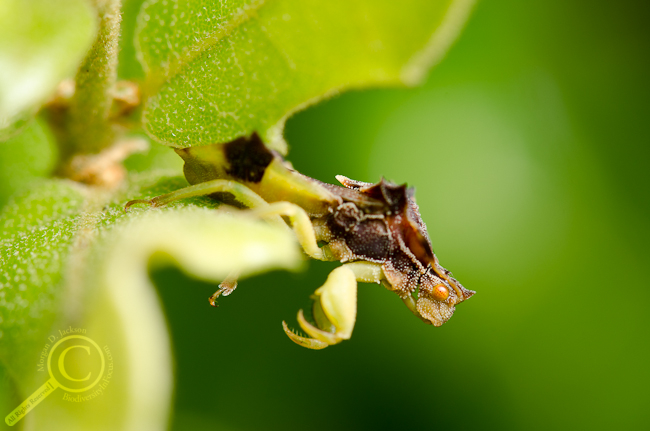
(375, 230)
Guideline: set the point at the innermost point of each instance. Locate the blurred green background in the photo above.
(529, 150)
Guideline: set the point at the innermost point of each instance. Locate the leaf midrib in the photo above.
(158, 76)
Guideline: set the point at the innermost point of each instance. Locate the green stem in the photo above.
(89, 129)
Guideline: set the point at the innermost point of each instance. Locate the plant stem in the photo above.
(89, 129)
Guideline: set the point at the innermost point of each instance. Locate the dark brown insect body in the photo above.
(381, 223)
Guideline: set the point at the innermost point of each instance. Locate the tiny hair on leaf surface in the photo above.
(215, 73)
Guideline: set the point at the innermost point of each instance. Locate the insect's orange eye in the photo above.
(440, 292)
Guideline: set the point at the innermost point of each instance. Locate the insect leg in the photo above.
(240, 192)
(335, 306)
(226, 287)
(301, 224)
(372, 273)
(366, 272)
(300, 220)
(243, 194)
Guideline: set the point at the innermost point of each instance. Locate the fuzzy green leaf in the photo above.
(41, 43)
(25, 157)
(70, 257)
(216, 72)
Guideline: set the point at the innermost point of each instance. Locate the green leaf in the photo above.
(41, 43)
(221, 71)
(27, 156)
(70, 257)
(36, 232)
